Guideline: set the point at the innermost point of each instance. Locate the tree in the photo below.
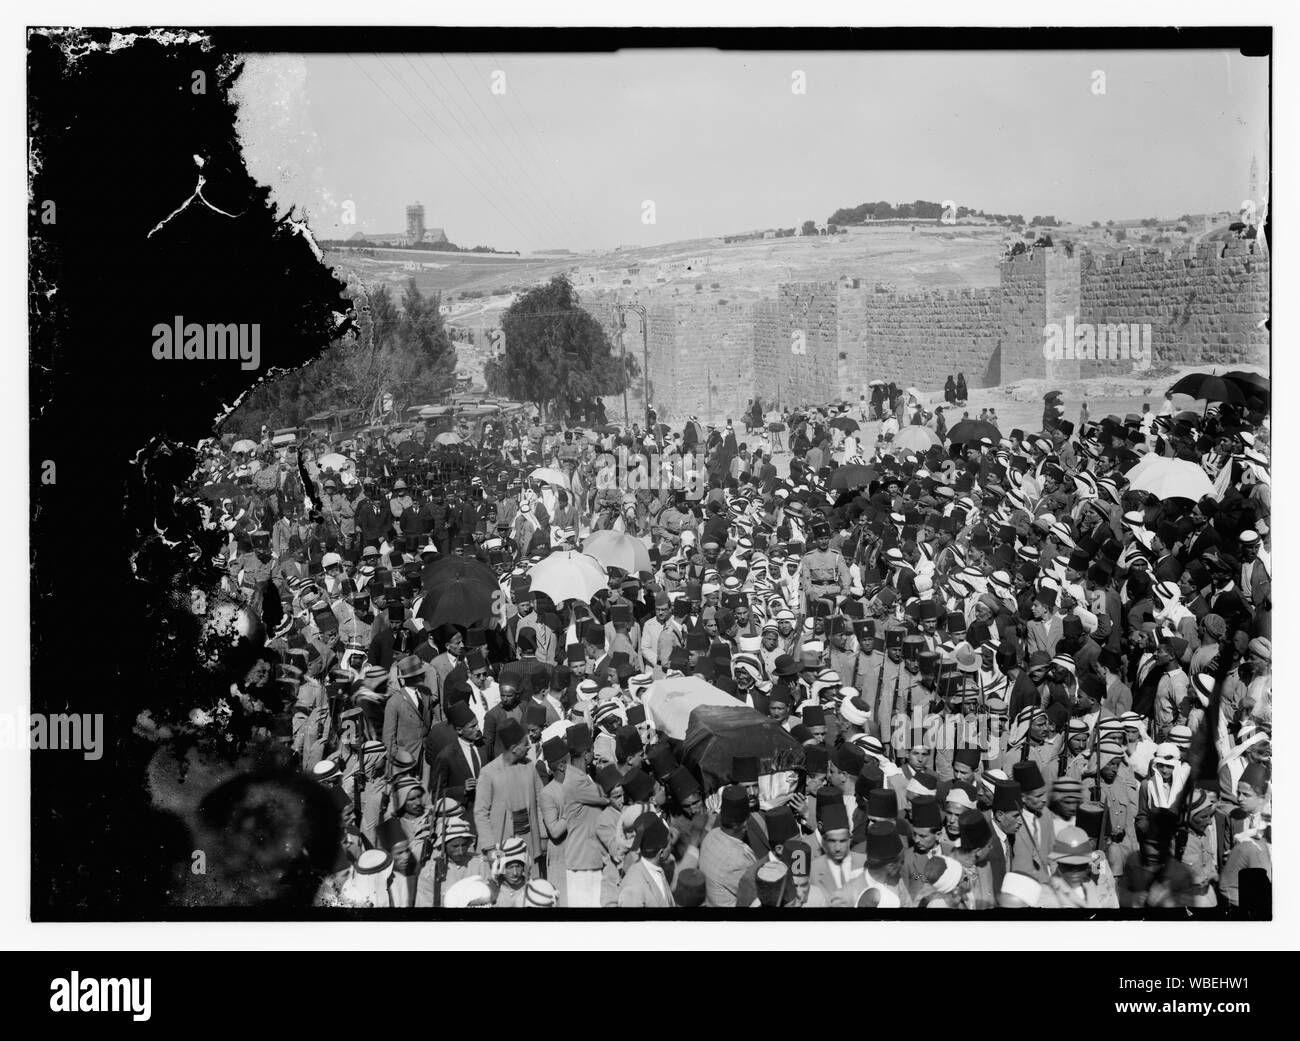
(405, 352)
(556, 353)
(809, 227)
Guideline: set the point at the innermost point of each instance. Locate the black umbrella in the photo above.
(1252, 384)
(454, 569)
(1207, 387)
(463, 601)
(845, 423)
(969, 430)
(852, 476)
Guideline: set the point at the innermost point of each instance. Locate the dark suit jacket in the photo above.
(492, 722)
(997, 859)
(451, 771)
(439, 737)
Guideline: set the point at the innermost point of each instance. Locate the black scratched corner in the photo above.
(112, 140)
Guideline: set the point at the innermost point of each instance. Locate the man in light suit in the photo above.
(652, 630)
(837, 867)
(645, 884)
(408, 713)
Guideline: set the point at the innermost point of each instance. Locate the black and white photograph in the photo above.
(585, 475)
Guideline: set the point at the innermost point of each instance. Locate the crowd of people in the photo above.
(1000, 674)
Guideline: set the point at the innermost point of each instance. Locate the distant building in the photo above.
(415, 223)
(398, 238)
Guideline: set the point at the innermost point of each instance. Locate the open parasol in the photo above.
(568, 575)
(620, 550)
(916, 437)
(1169, 478)
(550, 475)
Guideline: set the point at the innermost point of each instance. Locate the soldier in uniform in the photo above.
(825, 572)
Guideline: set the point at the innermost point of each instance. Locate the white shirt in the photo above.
(469, 751)
(843, 872)
(1002, 840)
(491, 694)
(656, 874)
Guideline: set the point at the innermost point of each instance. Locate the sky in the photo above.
(571, 152)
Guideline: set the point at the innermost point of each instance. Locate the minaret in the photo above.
(1253, 195)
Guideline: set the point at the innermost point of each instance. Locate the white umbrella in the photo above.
(669, 702)
(549, 475)
(568, 575)
(244, 445)
(448, 437)
(619, 549)
(1169, 478)
(334, 461)
(916, 437)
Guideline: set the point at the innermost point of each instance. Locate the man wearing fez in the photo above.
(583, 803)
(724, 855)
(838, 865)
(550, 807)
(1011, 850)
(458, 765)
(780, 826)
(1037, 824)
(883, 871)
(925, 816)
(506, 799)
(881, 686)
(645, 883)
(974, 853)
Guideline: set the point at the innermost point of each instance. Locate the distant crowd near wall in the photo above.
(814, 342)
